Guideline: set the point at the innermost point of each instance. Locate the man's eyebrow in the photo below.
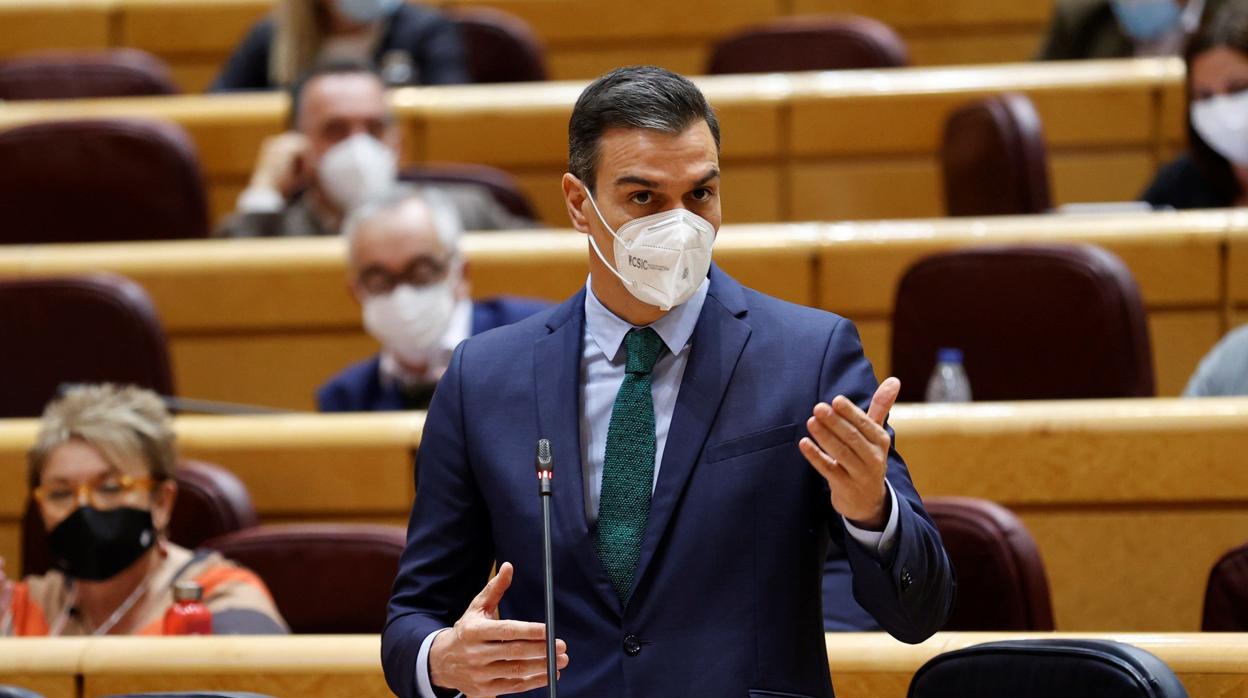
(707, 177)
(639, 181)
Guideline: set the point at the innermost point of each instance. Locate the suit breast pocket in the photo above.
(751, 443)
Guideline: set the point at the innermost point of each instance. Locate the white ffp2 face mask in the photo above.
(1222, 122)
(410, 321)
(357, 169)
(662, 258)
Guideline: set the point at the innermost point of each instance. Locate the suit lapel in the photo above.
(718, 340)
(556, 372)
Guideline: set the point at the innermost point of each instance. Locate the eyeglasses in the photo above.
(109, 492)
(421, 271)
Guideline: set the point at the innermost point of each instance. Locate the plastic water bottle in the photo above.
(188, 615)
(948, 382)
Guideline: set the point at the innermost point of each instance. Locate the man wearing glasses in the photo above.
(408, 276)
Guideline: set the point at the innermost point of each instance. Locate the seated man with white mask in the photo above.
(407, 273)
(342, 148)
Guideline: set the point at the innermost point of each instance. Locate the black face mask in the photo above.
(95, 545)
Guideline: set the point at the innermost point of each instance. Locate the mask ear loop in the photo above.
(594, 243)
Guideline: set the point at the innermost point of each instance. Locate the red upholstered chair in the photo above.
(306, 565)
(1034, 322)
(121, 72)
(499, 183)
(500, 47)
(994, 158)
(1001, 581)
(817, 42)
(1226, 596)
(92, 329)
(100, 180)
(211, 502)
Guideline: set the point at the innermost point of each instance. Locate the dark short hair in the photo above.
(633, 97)
(1227, 29)
(299, 86)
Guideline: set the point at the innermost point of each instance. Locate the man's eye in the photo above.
(642, 198)
(701, 194)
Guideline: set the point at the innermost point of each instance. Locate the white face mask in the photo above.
(411, 321)
(1222, 122)
(665, 256)
(357, 169)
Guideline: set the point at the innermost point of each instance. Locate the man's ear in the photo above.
(464, 288)
(574, 197)
(163, 499)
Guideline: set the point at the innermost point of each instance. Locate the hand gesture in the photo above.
(484, 656)
(281, 165)
(849, 448)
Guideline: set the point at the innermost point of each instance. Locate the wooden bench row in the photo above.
(863, 665)
(582, 37)
(1130, 501)
(267, 321)
(800, 146)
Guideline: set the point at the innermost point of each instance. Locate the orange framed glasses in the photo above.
(108, 492)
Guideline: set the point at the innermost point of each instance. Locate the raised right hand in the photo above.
(280, 165)
(484, 656)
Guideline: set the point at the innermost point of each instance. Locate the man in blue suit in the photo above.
(406, 272)
(709, 441)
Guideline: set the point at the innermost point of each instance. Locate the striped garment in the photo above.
(239, 601)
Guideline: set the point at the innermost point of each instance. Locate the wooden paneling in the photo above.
(828, 146)
(67, 24)
(47, 666)
(1180, 339)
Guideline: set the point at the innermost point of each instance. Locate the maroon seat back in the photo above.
(120, 72)
(994, 158)
(325, 578)
(500, 47)
(1226, 596)
(817, 42)
(499, 183)
(100, 180)
(93, 329)
(1001, 581)
(211, 502)
(1034, 322)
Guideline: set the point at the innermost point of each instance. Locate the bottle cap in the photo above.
(187, 591)
(949, 355)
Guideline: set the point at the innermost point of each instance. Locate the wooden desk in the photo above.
(873, 665)
(863, 665)
(582, 38)
(267, 321)
(1128, 536)
(800, 146)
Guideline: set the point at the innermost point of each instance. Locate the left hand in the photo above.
(849, 448)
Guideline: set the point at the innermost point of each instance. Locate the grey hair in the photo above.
(446, 219)
(634, 97)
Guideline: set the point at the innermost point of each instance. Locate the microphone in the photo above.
(545, 472)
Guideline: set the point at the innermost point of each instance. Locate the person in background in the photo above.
(409, 277)
(409, 43)
(342, 148)
(1213, 173)
(1224, 370)
(1123, 28)
(101, 472)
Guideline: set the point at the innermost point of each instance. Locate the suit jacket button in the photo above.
(632, 646)
(906, 579)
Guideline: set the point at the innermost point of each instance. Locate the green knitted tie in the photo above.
(628, 466)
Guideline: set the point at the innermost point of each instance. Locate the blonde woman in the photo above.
(409, 44)
(101, 472)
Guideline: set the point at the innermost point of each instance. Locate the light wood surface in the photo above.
(582, 38)
(862, 665)
(267, 321)
(1130, 501)
(798, 146)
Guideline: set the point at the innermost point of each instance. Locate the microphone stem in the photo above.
(551, 660)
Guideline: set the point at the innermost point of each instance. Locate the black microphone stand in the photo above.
(545, 472)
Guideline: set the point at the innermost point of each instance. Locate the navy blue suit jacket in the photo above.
(726, 601)
(358, 387)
